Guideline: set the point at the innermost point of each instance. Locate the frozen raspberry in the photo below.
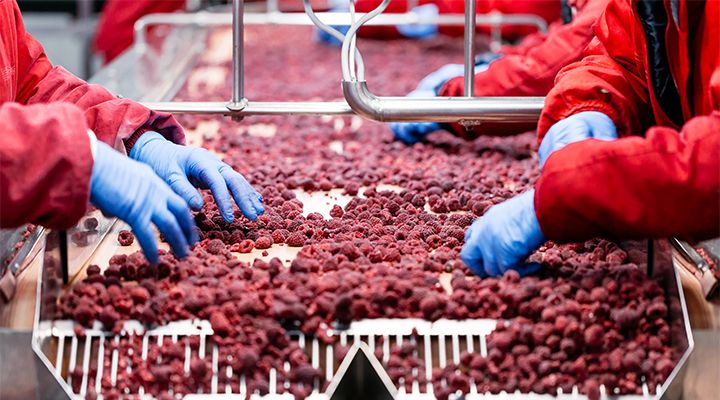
(594, 336)
(93, 270)
(139, 295)
(336, 211)
(263, 242)
(215, 246)
(245, 246)
(80, 238)
(352, 188)
(220, 324)
(198, 368)
(306, 374)
(90, 223)
(125, 238)
(295, 240)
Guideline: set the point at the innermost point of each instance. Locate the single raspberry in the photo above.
(125, 238)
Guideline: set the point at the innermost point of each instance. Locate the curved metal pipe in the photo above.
(510, 110)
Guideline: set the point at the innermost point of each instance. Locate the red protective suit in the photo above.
(662, 177)
(529, 68)
(45, 113)
(115, 31)
(549, 10)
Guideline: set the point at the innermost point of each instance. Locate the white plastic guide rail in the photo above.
(359, 100)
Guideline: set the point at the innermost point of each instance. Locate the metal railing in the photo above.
(467, 110)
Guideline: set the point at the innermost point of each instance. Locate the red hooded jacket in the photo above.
(45, 113)
(660, 84)
(529, 68)
(115, 28)
(549, 10)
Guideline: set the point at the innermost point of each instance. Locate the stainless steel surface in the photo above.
(469, 74)
(712, 247)
(697, 266)
(255, 108)
(690, 254)
(22, 376)
(49, 287)
(147, 73)
(8, 239)
(442, 109)
(10, 264)
(680, 330)
(237, 100)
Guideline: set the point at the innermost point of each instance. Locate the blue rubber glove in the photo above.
(412, 132)
(132, 192)
(181, 165)
(581, 126)
(328, 39)
(501, 239)
(421, 30)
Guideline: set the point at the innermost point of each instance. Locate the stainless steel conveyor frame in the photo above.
(359, 100)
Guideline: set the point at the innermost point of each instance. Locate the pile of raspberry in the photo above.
(590, 317)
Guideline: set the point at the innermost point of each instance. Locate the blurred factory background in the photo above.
(65, 27)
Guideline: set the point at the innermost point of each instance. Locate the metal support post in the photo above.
(238, 101)
(470, 25)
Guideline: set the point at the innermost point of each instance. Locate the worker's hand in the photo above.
(426, 27)
(501, 239)
(132, 192)
(432, 82)
(326, 38)
(412, 132)
(181, 165)
(581, 126)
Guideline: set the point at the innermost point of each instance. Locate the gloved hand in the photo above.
(181, 165)
(421, 30)
(501, 239)
(132, 192)
(412, 132)
(432, 82)
(326, 38)
(581, 126)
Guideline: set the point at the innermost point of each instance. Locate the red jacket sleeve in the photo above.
(115, 29)
(45, 165)
(111, 118)
(610, 79)
(665, 184)
(529, 69)
(548, 10)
